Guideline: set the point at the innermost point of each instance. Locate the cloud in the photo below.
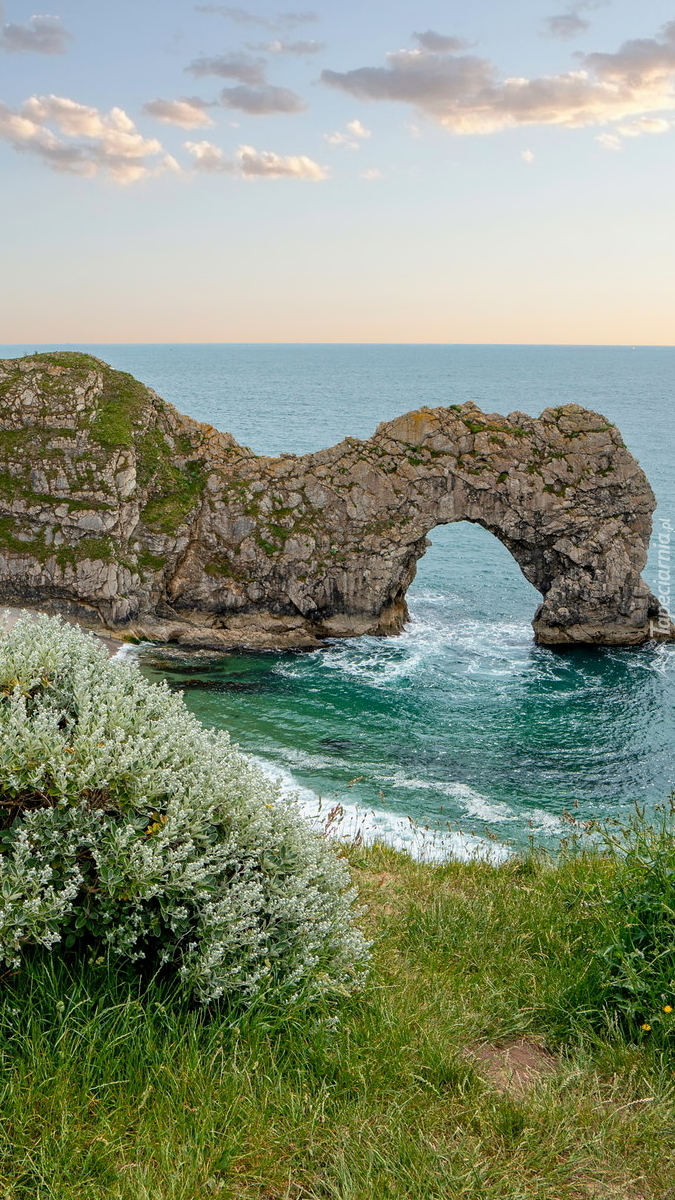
(567, 25)
(609, 141)
(638, 63)
(262, 101)
(241, 16)
(351, 137)
(112, 145)
(464, 93)
(40, 35)
(439, 43)
(644, 125)
(280, 47)
(267, 165)
(230, 66)
(188, 113)
(358, 129)
(207, 157)
(528, 156)
(249, 163)
(371, 175)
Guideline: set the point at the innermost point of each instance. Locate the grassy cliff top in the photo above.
(123, 405)
(461, 1072)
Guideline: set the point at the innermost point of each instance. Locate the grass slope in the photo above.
(112, 1089)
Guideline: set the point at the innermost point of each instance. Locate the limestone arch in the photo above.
(560, 491)
(121, 511)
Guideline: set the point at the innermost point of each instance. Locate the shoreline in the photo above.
(348, 822)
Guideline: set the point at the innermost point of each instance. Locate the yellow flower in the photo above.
(667, 1008)
(646, 1027)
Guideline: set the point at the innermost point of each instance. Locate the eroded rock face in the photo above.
(118, 509)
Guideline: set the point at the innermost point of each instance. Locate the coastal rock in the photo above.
(117, 509)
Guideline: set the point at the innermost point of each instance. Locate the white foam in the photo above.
(303, 758)
(474, 803)
(478, 647)
(378, 667)
(538, 818)
(348, 822)
(128, 652)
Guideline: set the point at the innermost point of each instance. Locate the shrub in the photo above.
(129, 830)
(628, 901)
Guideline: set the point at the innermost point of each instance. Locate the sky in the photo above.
(383, 171)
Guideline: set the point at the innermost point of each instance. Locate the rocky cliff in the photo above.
(117, 509)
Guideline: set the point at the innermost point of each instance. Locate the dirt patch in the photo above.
(597, 1189)
(515, 1067)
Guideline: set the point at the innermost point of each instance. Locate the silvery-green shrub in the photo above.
(128, 826)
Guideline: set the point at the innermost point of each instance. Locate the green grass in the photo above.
(126, 417)
(115, 1088)
(167, 510)
(123, 404)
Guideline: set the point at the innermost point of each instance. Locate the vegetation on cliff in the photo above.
(131, 831)
(475, 1064)
(512, 1041)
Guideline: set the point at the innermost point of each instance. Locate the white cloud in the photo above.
(112, 144)
(207, 157)
(528, 156)
(254, 164)
(358, 129)
(40, 35)
(465, 94)
(351, 137)
(280, 47)
(186, 113)
(249, 163)
(372, 174)
(644, 125)
(609, 141)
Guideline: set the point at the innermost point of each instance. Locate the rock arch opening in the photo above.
(470, 574)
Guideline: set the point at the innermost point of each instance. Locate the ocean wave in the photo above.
(347, 822)
(543, 821)
(482, 648)
(473, 803)
(315, 762)
(129, 652)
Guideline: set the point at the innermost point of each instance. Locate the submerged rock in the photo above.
(117, 509)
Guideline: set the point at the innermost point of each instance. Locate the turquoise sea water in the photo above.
(462, 719)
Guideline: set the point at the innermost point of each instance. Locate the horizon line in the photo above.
(446, 345)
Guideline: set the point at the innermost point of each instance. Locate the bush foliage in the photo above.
(129, 830)
(628, 906)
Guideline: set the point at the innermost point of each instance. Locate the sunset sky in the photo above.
(384, 171)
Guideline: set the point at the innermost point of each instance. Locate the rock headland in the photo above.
(118, 510)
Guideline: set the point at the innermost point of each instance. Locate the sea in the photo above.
(460, 736)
